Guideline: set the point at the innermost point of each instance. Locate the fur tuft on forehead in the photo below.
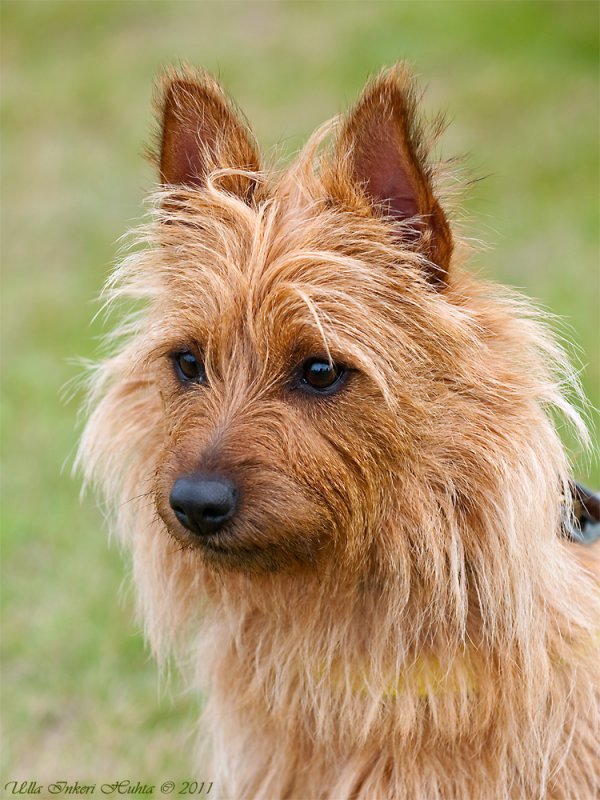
(292, 264)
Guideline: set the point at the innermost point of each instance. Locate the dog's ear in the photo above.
(201, 130)
(382, 149)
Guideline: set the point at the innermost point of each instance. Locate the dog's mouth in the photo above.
(226, 551)
(217, 543)
(231, 549)
(224, 544)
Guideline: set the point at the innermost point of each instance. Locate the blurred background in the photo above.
(81, 698)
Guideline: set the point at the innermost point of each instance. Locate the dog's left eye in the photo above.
(321, 375)
(188, 368)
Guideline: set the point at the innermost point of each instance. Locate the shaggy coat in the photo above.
(392, 612)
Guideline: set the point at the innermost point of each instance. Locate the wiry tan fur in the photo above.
(398, 616)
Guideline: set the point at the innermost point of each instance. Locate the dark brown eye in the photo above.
(188, 368)
(321, 375)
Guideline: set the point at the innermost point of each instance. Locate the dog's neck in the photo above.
(391, 623)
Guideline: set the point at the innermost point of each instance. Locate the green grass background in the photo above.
(81, 697)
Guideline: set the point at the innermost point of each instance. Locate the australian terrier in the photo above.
(333, 454)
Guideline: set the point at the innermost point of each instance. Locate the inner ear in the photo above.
(201, 130)
(383, 148)
(385, 170)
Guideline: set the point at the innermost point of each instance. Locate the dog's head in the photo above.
(284, 333)
(314, 382)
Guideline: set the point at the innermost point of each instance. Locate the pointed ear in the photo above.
(382, 146)
(200, 130)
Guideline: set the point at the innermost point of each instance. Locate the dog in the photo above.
(333, 454)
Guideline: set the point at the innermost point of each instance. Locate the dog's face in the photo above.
(285, 333)
(278, 437)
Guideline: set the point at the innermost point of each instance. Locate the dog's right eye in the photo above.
(188, 368)
(321, 376)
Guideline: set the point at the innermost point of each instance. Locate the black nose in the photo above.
(203, 503)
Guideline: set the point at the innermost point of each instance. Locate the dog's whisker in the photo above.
(143, 496)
